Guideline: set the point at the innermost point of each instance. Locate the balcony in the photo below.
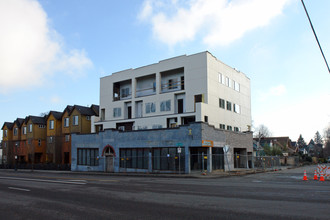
(146, 85)
(172, 80)
(122, 90)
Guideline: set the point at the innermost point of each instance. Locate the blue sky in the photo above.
(53, 52)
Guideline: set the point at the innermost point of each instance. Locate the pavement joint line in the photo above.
(20, 189)
(40, 180)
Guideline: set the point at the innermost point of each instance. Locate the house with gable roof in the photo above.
(7, 143)
(19, 148)
(54, 137)
(36, 139)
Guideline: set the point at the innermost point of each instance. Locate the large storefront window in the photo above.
(134, 158)
(168, 159)
(88, 156)
(217, 159)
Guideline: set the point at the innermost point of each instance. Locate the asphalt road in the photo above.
(275, 195)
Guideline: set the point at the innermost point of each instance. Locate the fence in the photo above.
(173, 163)
(37, 166)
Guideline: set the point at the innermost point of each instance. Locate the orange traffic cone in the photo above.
(315, 175)
(305, 176)
(321, 178)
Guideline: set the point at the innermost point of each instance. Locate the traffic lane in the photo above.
(167, 193)
(85, 203)
(89, 202)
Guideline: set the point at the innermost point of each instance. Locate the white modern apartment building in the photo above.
(176, 91)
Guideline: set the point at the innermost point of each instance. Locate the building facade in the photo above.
(178, 115)
(176, 91)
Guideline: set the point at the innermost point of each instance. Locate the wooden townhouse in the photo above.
(7, 143)
(19, 149)
(45, 139)
(76, 119)
(36, 139)
(54, 137)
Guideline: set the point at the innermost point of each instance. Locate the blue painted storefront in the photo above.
(115, 141)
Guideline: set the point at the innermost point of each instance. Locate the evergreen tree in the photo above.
(318, 138)
(301, 142)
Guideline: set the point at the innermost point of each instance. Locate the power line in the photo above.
(310, 22)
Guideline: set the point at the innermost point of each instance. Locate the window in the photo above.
(229, 128)
(51, 139)
(165, 106)
(116, 112)
(168, 159)
(75, 120)
(24, 130)
(51, 124)
(172, 84)
(102, 114)
(227, 81)
(124, 92)
(15, 131)
(154, 86)
(67, 138)
(206, 118)
(39, 142)
(88, 156)
(134, 158)
(222, 126)
(237, 108)
(42, 126)
(30, 128)
(228, 106)
(237, 129)
(220, 78)
(236, 86)
(88, 118)
(150, 107)
(222, 103)
(5, 133)
(66, 122)
(198, 98)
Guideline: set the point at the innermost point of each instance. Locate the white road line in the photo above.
(41, 180)
(20, 189)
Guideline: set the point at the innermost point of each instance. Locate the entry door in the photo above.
(129, 112)
(180, 106)
(109, 162)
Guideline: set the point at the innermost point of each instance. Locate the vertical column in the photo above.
(133, 96)
(158, 83)
(187, 159)
(150, 163)
(209, 159)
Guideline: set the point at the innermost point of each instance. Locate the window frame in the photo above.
(116, 112)
(228, 106)
(222, 103)
(87, 156)
(51, 124)
(75, 120)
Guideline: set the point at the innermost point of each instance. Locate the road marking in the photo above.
(40, 180)
(20, 189)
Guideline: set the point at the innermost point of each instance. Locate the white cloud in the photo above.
(30, 50)
(219, 22)
(55, 99)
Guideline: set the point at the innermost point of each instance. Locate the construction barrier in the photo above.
(323, 171)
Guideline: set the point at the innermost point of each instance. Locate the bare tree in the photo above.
(326, 149)
(261, 132)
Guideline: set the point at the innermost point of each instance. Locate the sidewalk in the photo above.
(193, 174)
